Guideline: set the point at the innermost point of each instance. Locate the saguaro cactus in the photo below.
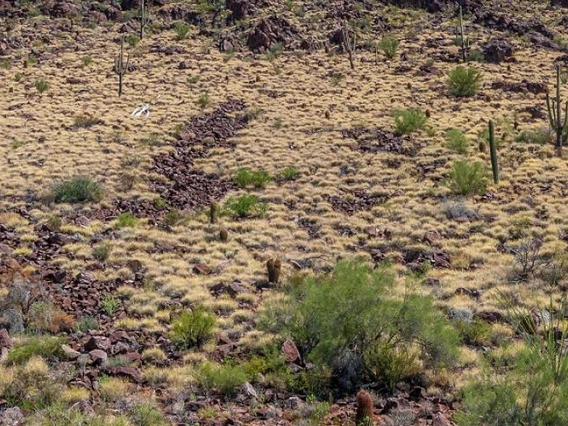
(464, 41)
(349, 39)
(144, 18)
(493, 152)
(120, 67)
(554, 106)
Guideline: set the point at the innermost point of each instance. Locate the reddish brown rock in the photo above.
(290, 351)
(5, 339)
(130, 373)
(98, 357)
(102, 343)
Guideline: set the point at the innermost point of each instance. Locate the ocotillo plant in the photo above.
(144, 18)
(349, 39)
(464, 41)
(493, 152)
(120, 67)
(554, 107)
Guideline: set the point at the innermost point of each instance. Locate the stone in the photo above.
(249, 390)
(135, 265)
(5, 249)
(290, 351)
(497, 50)
(11, 417)
(13, 320)
(98, 357)
(130, 373)
(5, 339)
(439, 419)
(101, 343)
(202, 269)
(69, 352)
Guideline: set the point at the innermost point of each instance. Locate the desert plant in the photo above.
(557, 123)
(192, 329)
(109, 304)
(493, 153)
(132, 40)
(289, 173)
(126, 220)
(121, 67)
(389, 46)
(540, 136)
(245, 206)
(246, 177)
(349, 40)
(204, 100)
(85, 121)
(181, 29)
(457, 141)
(147, 415)
(348, 321)
(463, 40)
(87, 60)
(464, 82)
(102, 252)
(41, 86)
(409, 121)
(78, 189)
(224, 378)
(173, 218)
(144, 18)
(47, 347)
(468, 178)
(86, 324)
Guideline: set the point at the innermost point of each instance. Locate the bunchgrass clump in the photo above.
(468, 178)
(457, 141)
(204, 100)
(352, 325)
(222, 378)
(409, 121)
(289, 173)
(247, 177)
(109, 304)
(102, 252)
(181, 29)
(78, 189)
(464, 81)
(192, 329)
(132, 40)
(41, 86)
(87, 60)
(539, 136)
(389, 46)
(245, 206)
(85, 121)
(126, 220)
(47, 347)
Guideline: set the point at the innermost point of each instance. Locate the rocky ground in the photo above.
(265, 85)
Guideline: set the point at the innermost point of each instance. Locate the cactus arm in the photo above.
(550, 109)
(493, 152)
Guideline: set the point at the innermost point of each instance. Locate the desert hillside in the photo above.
(266, 212)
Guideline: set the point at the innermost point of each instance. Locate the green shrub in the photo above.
(346, 322)
(41, 86)
(224, 378)
(192, 329)
(87, 60)
(132, 40)
(245, 206)
(126, 220)
(476, 55)
(409, 121)
(174, 218)
(389, 45)
(247, 177)
(77, 190)
(86, 324)
(109, 304)
(204, 100)
(102, 252)
(464, 82)
(457, 141)
(468, 178)
(289, 173)
(17, 144)
(475, 333)
(540, 136)
(181, 29)
(47, 347)
(147, 415)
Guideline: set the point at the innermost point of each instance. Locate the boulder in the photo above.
(497, 50)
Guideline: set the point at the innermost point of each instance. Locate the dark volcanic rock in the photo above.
(270, 32)
(497, 50)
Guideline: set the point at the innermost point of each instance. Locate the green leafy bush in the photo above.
(181, 29)
(476, 332)
(204, 100)
(192, 329)
(126, 220)
(132, 40)
(41, 86)
(464, 82)
(109, 304)
(409, 121)
(47, 347)
(289, 173)
(540, 136)
(347, 322)
(389, 45)
(245, 206)
(457, 141)
(223, 378)
(147, 415)
(468, 178)
(247, 177)
(102, 252)
(77, 190)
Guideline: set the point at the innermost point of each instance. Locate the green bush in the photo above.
(346, 322)
(409, 121)
(245, 206)
(132, 40)
(289, 173)
(476, 332)
(47, 347)
(87, 60)
(77, 190)
(41, 86)
(173, 218)
(109, 304)
(223, 378)
(181, 29)
(102, 252)
(247, 177)
(468, 178)
(192, 329)
(389, 45)
(147, 415)
(204, 100)
(540, 136)
(457, 141)
(126, 220)
(464, 82)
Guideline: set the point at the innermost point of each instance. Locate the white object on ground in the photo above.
(141, 110)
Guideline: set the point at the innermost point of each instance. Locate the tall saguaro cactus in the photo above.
(557, 123)
(464, 41)
(493, 152)
(144, 18)
(120, 67)
(349, 39)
